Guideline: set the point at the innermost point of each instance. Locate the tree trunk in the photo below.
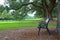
(47, 14)
(58, 18)
(47, 9)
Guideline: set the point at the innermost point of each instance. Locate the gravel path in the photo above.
(29, 33)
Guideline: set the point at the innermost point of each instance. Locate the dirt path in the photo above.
(28, 34)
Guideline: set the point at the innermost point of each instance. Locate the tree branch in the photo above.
(25, 4)
(52, 5)
(44, 5)
(39, 6)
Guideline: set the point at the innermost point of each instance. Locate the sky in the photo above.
(2, 2)
(32, 14)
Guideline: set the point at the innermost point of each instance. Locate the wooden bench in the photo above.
(44, 24)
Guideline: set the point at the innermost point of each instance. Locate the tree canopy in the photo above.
(43, 8)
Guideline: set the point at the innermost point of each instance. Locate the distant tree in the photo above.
(5, 14)
(2, 8)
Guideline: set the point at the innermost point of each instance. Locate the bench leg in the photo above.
(39, 31)
(48, 31)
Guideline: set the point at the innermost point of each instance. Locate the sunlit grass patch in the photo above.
(10, 24)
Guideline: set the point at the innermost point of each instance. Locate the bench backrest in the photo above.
(47, 21)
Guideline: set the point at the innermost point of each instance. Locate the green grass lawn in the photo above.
(9, 24)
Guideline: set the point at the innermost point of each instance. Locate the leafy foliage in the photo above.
(1, 8)
(5, 14)
(22, 7)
